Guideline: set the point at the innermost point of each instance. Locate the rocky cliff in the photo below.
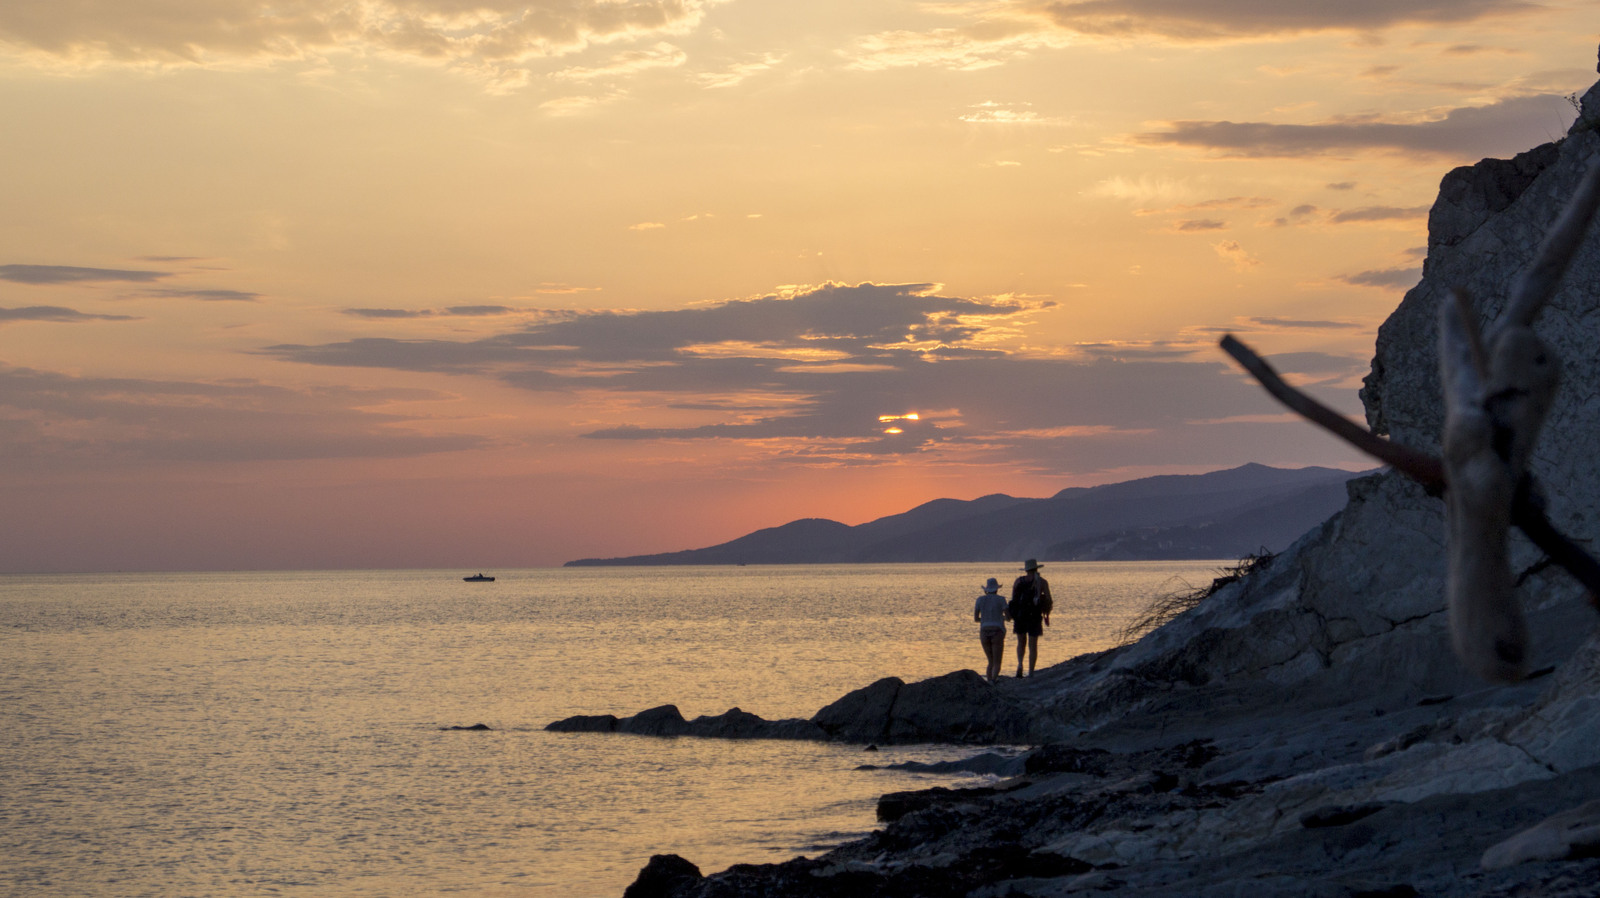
(1307, 731)
(1356, 608)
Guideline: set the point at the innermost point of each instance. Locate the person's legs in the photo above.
(1022, 650)
(1033, 652)
(986, 636)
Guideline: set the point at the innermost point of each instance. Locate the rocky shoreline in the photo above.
(1306, 730)
(1222, 790)
(958, 708)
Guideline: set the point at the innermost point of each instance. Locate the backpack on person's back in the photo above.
(1024, 605)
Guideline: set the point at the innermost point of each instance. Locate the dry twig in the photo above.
(1487, 627)
(1169, 605)
(1414, 463)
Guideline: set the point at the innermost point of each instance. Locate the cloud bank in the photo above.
(451, 312)
(54, 313)
(1211, 20)
(490, 33)
(48, 418)
(72, 274)
(1498, 129)
(808, 374)
(994, 34)
(1386, 278)
(203, 295)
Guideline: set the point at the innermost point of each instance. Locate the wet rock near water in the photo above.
(665, 876)
(895, 805)
(959, 707)
(1075, 835)
(667, 720)
(989, 763)
(866, 879)
(585, 723)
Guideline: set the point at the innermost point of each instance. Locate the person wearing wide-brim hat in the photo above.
(991, 615)
(1030, 613)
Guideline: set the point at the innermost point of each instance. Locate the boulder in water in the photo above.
(666, 876)
(957, 707)
(585, 723)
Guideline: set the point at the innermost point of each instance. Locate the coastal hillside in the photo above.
(1222, 514)
(1307, 729)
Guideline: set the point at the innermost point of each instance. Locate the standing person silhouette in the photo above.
(991, 615)
(1030, 613)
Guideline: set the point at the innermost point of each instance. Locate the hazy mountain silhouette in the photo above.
(1223, 514)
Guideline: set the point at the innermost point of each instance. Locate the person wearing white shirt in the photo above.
(991, 615)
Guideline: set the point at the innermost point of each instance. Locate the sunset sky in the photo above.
(486, 283)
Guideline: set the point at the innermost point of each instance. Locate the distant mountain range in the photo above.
(1223, 514)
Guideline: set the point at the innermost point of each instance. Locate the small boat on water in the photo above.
(478, 578)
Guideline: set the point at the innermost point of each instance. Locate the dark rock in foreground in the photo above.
(895, 805)
(1180, 836)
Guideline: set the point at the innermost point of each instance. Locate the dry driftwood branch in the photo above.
(1487, 628)
(1527, 512)
(1496, 399)
(1469, 321)
(1497, 393)
(1419, 466)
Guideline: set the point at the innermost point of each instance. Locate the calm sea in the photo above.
(280, 733)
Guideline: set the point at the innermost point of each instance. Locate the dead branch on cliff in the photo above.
(1163, 608)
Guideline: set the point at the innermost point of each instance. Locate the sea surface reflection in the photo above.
(272, 733)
